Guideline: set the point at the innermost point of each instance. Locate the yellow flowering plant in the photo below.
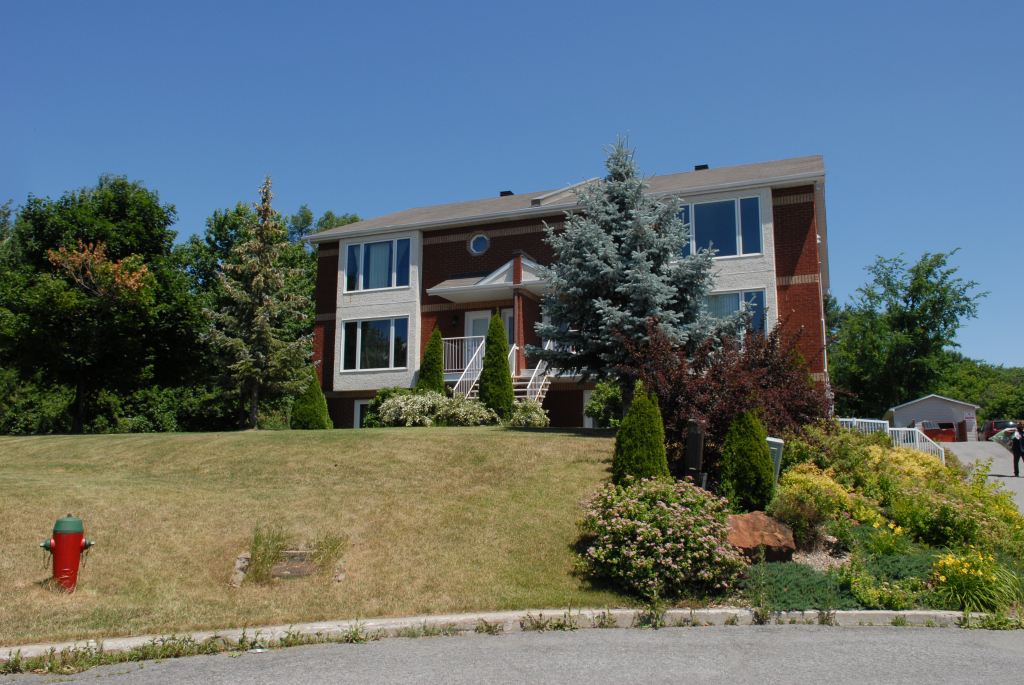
(973, 580)
(886, 541)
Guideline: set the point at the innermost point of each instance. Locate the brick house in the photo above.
(384, 284)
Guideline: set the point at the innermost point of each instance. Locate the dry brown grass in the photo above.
(439, 520)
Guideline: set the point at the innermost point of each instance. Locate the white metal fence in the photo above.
(901, 437)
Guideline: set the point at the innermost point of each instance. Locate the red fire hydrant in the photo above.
(66, 546)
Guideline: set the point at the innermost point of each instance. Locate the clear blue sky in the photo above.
(377, 107)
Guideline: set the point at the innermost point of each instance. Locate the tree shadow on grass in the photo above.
(579, 432)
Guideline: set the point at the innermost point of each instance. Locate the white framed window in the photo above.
(377, 265)
(374, 344)
(733, 227)
(721, 305)
(359, 409)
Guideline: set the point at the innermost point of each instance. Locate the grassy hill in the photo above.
(440, 520)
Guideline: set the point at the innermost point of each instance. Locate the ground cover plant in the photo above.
(788, 586)
(439, 520)
(920, 533)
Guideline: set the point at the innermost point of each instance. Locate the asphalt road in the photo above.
(768, 654)
(1002, 465)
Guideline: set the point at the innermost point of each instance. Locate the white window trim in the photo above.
(359, 345)
(742, 292)
(355, 412)
(469, 245)
(739, 225)
(343, 258)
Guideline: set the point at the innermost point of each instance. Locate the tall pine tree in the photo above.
(618, 266)
(249, 330)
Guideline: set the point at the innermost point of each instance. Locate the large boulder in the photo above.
(750, 531)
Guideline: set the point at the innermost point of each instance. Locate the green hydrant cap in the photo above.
(68, 524)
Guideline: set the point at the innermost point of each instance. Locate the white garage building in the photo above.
(938, 409)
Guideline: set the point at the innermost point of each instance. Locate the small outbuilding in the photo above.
(936, 409)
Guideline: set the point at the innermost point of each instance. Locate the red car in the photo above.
(990, 428)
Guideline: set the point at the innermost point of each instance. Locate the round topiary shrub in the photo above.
(659, 537)
(309, 411)
(640, 442)
(746, 473)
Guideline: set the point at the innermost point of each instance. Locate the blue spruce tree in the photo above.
(619, 264)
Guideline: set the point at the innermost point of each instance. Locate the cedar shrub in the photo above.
(309, 412)
(496, 377)
(432, 367)
(746, 475)
(640, 442)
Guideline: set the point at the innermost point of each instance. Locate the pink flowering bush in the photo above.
(659, 537)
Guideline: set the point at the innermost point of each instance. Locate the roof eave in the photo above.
(531, 212)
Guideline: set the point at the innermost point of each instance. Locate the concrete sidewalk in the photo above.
(1002, 464)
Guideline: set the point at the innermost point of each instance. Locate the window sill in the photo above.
(386, 368)
(738, 256)
(377, 290)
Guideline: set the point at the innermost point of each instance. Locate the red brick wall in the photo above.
(325, 306)
(797, 268)
(442, 259)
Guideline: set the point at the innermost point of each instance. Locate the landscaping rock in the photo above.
(750, 531)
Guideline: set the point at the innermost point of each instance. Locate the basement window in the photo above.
(375, 344)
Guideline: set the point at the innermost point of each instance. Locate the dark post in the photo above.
(694, 451)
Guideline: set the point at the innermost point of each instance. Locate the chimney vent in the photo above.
(700, 167)
(506, 193)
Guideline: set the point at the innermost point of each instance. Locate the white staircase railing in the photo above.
(540, 377)
(471, 374)
(915, 439)
(900, 437)
(512, 360)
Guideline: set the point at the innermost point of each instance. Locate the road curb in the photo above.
(510, 622)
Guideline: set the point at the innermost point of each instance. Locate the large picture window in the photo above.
(371, 266)
(721, 305)
(732, 227)
(375, 344)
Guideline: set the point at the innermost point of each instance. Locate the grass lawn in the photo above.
(440, 520)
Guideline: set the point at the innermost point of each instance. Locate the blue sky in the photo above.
(376, 107)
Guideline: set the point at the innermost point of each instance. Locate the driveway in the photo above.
(1002, 464)
(728, 655)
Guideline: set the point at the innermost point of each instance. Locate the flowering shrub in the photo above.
(807, 497)
(527, 414)
(973, 581)
(434, 409)
(657, 537)
(887, 541)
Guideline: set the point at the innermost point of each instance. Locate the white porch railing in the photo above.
(865, 425)
(459, 351)
(512, 360)
(901, 437)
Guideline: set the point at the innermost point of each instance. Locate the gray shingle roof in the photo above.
(513, 206)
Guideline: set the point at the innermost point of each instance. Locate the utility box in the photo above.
(775, 445)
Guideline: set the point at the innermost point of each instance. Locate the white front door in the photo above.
(476, 326)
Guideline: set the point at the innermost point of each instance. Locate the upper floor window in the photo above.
(384, 264)
(479, 244)
(733, 227)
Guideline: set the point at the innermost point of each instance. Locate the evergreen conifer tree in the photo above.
(432, 367)
(309, 412)
(619, 265)
(496, 377)
(640, 442)
(746, 472)
(249, 329)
